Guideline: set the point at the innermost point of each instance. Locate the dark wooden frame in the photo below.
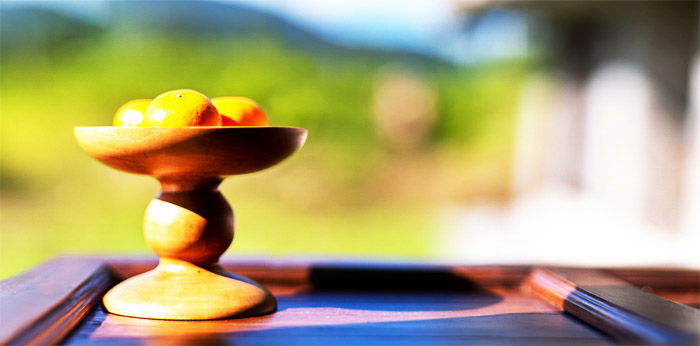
(43, 305)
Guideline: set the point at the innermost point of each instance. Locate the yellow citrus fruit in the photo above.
(132, 113)
(181, 108)
(239, 111)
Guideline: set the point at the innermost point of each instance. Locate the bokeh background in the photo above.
(470, 131)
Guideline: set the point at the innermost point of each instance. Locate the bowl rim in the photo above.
(189, 128)
(105, 144)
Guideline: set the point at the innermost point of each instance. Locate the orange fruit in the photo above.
(181, 108)
(239, 111)
(132, 113)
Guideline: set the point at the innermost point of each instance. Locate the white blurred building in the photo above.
(607, 156)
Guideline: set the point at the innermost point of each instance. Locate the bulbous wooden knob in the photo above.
(193, 225)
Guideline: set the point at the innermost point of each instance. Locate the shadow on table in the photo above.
(389, 289)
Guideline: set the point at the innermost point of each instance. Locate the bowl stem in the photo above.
(189, 225)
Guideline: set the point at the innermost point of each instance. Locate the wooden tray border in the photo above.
(43, 305)
(616, 308)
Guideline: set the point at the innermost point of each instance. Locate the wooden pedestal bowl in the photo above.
(189, 224)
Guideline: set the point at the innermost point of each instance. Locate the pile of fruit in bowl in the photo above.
(185, 107)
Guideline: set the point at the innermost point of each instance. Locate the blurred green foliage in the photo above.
(345, 193)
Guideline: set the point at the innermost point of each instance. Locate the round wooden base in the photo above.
(178, 290)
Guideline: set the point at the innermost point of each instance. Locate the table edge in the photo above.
(72, 286)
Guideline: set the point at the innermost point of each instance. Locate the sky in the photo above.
(428, 26)
(435, 27)
(407, 23)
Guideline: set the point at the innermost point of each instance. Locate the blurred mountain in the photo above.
(36, 28)
(28, 29)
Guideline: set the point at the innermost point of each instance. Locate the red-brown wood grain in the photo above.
(43, 305)
(615, 307)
